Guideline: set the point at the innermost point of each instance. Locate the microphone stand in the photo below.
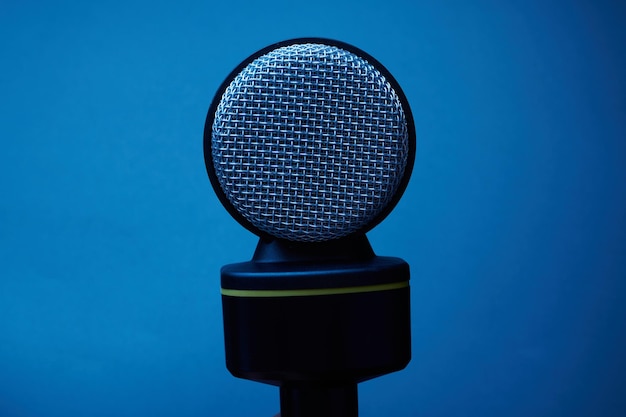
(310, 400)
(316, 319)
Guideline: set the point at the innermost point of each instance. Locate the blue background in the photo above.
(514, 222)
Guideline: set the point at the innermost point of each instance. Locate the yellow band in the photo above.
(314, 291)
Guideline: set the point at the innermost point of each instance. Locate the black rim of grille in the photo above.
(208, 130)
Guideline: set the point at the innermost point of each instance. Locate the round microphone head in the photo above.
(309, 140)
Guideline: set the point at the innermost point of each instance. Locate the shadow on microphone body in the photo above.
(309, 144)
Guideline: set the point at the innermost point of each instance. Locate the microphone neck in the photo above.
(351, 248)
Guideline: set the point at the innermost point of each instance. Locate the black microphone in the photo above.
(310, 143)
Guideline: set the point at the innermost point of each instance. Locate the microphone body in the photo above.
(316, 328)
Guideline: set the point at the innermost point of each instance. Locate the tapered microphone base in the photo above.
(316, 328)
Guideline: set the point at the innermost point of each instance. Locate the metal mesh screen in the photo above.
(309, 142)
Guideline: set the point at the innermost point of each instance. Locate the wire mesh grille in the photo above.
(309, 142)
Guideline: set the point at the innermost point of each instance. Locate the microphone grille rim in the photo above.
(305, 231)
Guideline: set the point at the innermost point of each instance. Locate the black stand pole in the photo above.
(316, 401)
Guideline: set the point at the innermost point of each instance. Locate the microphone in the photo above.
(309, 143)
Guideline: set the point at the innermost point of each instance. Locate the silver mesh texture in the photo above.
(309, 142)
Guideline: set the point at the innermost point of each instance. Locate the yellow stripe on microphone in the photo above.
(314, 291)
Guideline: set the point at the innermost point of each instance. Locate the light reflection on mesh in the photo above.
(309, 142)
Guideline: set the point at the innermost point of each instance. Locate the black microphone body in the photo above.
(316, 327)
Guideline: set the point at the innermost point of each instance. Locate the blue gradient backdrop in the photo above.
(514, 222)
